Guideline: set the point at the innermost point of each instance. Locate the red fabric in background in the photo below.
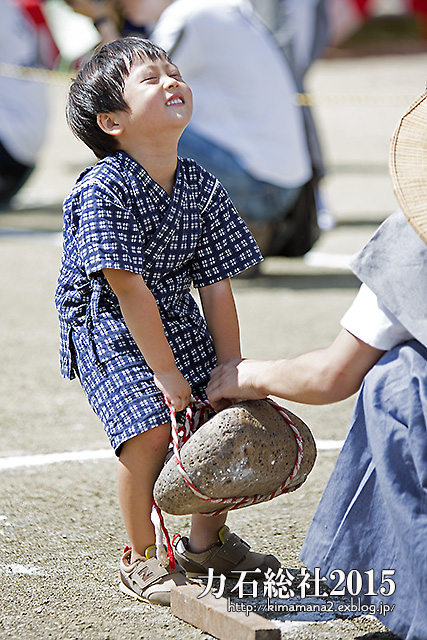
(48, 52)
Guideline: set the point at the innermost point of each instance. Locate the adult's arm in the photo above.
(318, 377)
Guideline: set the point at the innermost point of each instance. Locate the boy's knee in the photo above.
(157, 439)
(153, 441)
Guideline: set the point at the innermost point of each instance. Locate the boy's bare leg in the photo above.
(204, 531)
(140, 462)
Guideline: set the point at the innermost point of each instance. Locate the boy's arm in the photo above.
(221, 317)
(318, 377)
(142, 318)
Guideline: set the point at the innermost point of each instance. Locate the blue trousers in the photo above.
(255, 200)
(373, 514)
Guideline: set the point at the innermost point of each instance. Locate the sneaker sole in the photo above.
(124, 589)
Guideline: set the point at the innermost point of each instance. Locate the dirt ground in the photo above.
(61, 534)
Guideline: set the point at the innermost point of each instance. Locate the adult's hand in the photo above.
(233, 382)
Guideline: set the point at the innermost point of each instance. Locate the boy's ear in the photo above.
(109, 123)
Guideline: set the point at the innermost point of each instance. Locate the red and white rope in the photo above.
(196, 414)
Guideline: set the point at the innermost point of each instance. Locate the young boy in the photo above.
(139, 228)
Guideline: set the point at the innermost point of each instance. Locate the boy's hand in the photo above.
(175, 388)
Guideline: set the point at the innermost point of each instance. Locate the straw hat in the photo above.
(408, 165)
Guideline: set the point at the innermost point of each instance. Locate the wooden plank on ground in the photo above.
(211, 615)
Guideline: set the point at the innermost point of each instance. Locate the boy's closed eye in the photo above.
(155, 78)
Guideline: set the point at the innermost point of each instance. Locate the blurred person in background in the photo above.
(247, 128)
(108, 19)
(302, 30)
(24, 41)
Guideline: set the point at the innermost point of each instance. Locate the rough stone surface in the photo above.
(246, 450)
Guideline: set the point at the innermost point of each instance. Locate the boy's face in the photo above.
(159, 101)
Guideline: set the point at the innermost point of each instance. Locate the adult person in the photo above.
(247, 128)
(23, 104)
(301, 28)
(371, 522)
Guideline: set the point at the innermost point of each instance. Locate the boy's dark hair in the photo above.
(99, 88)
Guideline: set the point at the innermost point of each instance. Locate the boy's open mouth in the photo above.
(174, 100)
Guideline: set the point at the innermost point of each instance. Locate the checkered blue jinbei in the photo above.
(118, 217)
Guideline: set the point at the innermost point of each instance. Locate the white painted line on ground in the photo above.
(40, 460)
(331, 260)
(20, 569)
(329, 445)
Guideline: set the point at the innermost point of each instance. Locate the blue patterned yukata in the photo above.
(372, 518)
(118, 217)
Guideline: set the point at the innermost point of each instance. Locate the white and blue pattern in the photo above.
(118, 217)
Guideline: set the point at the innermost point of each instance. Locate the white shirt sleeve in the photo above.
(370, 321)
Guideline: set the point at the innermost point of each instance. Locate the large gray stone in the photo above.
(245, 450)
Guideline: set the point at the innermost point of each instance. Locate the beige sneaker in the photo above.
(147, 579)
(230, 555)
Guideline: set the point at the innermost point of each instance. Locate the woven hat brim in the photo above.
(408, 165)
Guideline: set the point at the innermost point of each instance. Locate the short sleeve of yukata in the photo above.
(226, 246)
(108, 235)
